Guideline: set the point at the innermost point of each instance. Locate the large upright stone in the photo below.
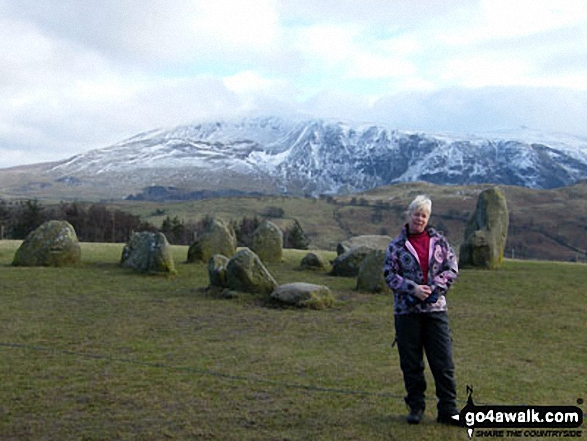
(268, 242)
(245, 272)
(219, 238)
(370, 278)
(52, 244)
(486, 233)
(148, 252)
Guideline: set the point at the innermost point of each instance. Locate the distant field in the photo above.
(99, 353)
(544, 224)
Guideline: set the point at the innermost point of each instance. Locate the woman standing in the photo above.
(420, 267)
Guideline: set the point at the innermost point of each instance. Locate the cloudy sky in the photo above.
(77, 75)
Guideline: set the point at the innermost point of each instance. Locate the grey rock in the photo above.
(268, 242)
(374, 242)
(148, 252)
(370, 278)
(217, 270)
(304, 295)
(245, 272)
(314, 261)
(54, 243)
(348, 264)
(486, 232)
(219, 238)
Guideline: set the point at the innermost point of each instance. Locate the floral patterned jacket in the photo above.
(403, 273)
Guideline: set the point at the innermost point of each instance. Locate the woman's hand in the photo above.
(422, 292)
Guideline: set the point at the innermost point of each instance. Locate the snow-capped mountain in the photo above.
(319, 156)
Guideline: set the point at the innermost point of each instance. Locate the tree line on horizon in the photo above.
(98, 223)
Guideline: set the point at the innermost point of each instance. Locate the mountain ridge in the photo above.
(308, 157)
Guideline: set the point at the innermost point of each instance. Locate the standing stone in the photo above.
(219, 238)
(268, 242)
(148, 252)
(370, 278)
(217, 270)
(52, 244)
(486, 233)
(245, 272)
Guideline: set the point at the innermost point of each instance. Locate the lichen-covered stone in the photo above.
(268, 242)
(245, 272)
(348, 264)
(148, 252)
(486, 232)
(371, 241)
(217, 270)
(370, 278)
(54, 243)
(314, 261)
(219, 238)
(304, 295)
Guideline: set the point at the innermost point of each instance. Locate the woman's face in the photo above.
(418, 221)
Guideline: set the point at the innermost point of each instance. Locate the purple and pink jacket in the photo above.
(402, 272)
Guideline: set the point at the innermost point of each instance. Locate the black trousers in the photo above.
(429, 333)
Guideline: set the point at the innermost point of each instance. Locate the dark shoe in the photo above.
(448, 420)
(415, 416)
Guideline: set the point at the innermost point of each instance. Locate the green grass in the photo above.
(96, 352)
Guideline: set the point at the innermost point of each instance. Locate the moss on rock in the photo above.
(54, 243)
(148, 253)
(486, 232)
(304, 295)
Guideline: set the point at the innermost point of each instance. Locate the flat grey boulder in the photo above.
(54, 243)
(371, 241)
(304, 295)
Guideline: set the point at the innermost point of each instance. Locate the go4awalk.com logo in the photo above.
(520, 421)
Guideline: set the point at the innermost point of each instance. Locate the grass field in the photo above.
(99, 353)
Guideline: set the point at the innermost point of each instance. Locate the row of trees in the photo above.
(93, 223)
(98, 223)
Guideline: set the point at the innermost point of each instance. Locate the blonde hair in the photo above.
(422, 202)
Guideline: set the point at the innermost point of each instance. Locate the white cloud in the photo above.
(251, 23)
(482, 71)
(507, 18)
(378, 66)
(486, 109)
(329, 44)
(79, 75)
(250, 82)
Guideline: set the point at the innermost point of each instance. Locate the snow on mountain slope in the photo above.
(319, 156)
